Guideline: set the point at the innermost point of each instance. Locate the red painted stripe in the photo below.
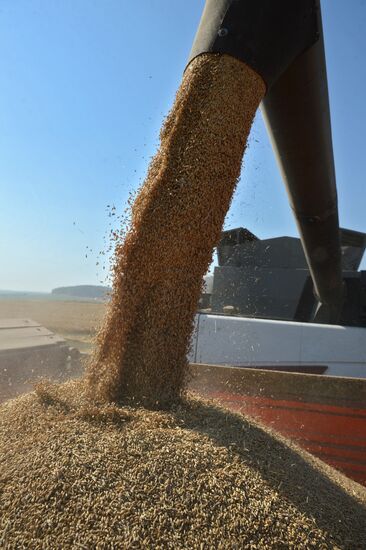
(294, 405)
(295, 421)
(282, 413)
(339, 465)
(361, 479)
(349, 471)
(329, 438)
(353, 457)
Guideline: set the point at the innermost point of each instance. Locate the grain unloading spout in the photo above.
(283, 42)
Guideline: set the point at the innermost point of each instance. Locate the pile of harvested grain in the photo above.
(176, 221)
(76, 476)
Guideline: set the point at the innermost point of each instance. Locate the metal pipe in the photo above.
(296, 111)
(283, 42)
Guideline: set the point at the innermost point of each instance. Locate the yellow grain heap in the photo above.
(75, 476)
(176, 221)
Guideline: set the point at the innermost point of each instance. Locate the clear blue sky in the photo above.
(84, 86)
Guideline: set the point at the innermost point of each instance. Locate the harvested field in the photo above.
(76, 476)
(176, 221)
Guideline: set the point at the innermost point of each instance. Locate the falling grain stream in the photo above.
(176, 221)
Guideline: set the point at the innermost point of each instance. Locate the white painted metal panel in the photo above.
(243, 341)
(23, 332)
(25, 343)
(333, 343)
(17, 334)
(17, 323)
(343, 349)
(227, 340)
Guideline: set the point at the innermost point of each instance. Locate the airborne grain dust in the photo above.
(176, 221)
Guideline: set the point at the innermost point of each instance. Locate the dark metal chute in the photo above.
(283, 42)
